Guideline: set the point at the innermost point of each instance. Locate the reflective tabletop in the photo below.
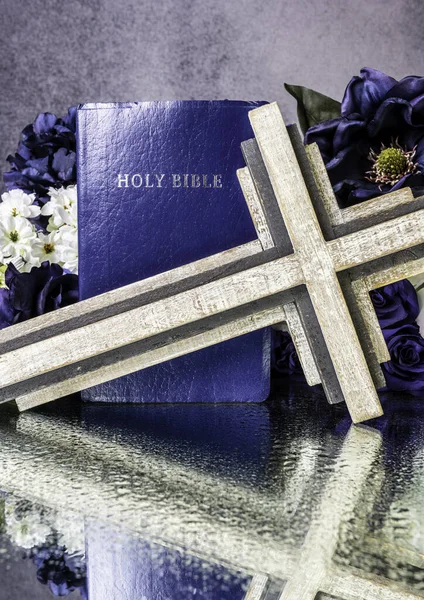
(284, 500)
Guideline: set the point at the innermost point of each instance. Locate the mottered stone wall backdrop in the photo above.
(56, 53)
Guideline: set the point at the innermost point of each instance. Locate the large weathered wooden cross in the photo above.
(312, 267)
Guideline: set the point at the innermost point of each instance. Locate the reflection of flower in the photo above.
(46, 155)
(61, 572)
(71, 532)
(54, 541)
(25, 523)
(377, 144)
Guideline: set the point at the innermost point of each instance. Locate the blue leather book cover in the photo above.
(157, 189)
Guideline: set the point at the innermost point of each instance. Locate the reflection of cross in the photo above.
(315, 278)
(315, 570)
(182, 502)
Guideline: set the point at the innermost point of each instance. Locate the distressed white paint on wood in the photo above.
(408, 269)
(102, 301)
(378, 240)
(316, 263)
(379, 345)
(150, 358)
(323, 184)
(255, 208)
(301, 344)
(312, 573)
(377, 205)
(257, 588)
(152, 319)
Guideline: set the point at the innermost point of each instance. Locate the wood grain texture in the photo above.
(301, 343)
(314, 191)
(316, 263)
(255, 208)
(368, 329)
(258, 172)
(155, 318)
(257, 588)
(123, 298)
(377, 241)
(324, 185)
(380, 204)
(371, 323)
(324, 364)
(95, 374)
(394, 273)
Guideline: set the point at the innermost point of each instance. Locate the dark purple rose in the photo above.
(396, 304)
(44, 289)
(45, 156)
(284, 358)
(377, 144)
(405, 371)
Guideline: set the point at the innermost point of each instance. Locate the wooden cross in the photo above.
(311, 267)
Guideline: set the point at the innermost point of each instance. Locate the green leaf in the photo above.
(313, 107)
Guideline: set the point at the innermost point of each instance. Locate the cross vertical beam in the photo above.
(316, 263)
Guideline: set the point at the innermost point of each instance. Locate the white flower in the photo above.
(26, 526)
(72, 532)
(62, 207)
(45, 247)
(18, 204)
(67, 247)
(16, 236)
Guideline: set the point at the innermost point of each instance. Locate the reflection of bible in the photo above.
(157, 189)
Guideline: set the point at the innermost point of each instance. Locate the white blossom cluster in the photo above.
(30, 525)
(27, 247)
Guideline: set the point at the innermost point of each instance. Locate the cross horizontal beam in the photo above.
(210, 299)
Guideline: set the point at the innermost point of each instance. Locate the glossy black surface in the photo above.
(191, 501)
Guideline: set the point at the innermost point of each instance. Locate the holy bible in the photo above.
(157, 189)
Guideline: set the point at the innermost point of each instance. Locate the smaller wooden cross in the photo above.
(312, 267)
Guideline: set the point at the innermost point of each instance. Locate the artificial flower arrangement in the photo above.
(372, 143)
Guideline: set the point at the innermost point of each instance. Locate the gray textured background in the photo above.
(57, 53)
